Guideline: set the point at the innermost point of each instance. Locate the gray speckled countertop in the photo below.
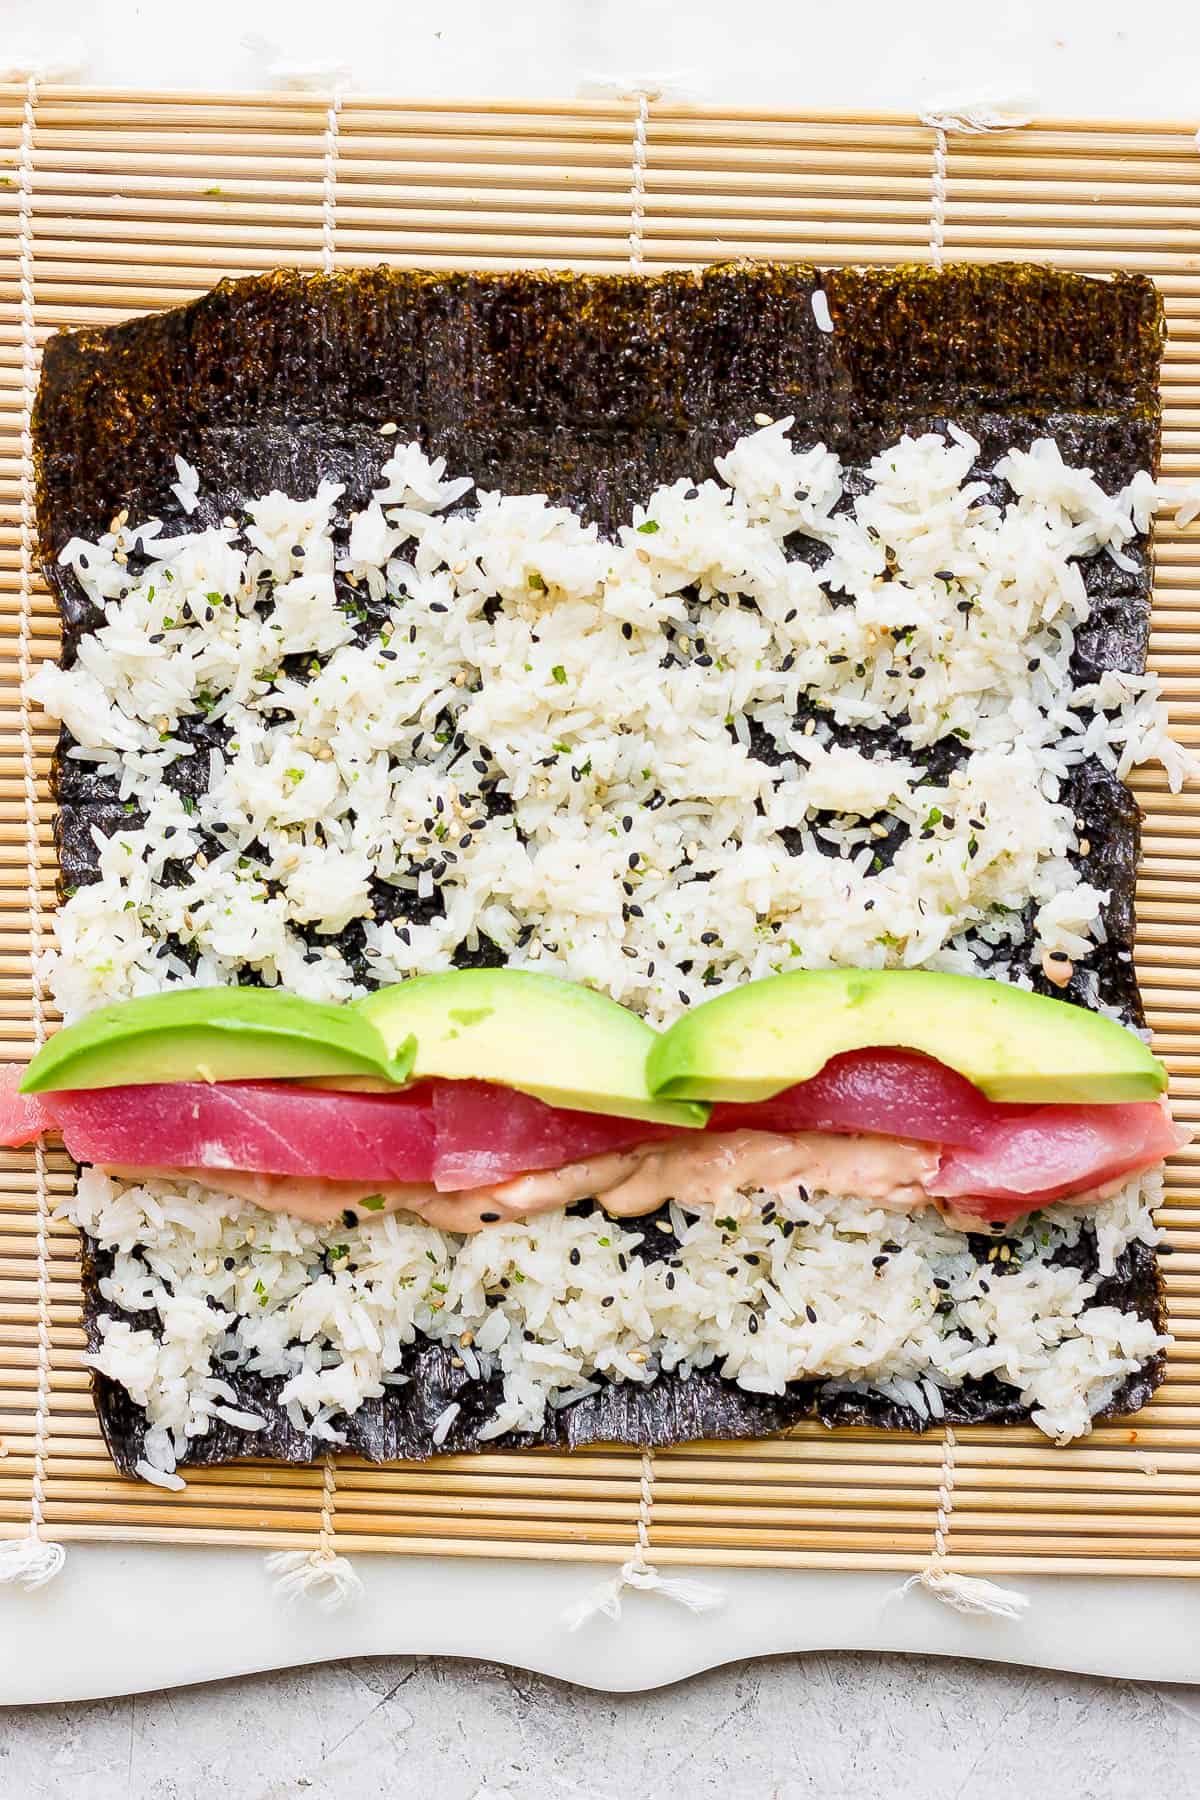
(837, 1726)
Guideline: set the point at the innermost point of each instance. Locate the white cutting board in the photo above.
(119, 1619)
(124, 1620)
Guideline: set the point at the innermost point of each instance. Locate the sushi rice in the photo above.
(618, 697)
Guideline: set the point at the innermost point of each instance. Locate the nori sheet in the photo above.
(593, 390)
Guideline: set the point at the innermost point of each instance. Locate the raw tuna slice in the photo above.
(487, 1134)
(251, 1125)
(23, 1117)
(1052, 1153)
(896, 1092)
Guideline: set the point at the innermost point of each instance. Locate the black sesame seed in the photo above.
(943, 575)
(608, 1299)
(939, 1281)
(634, 859)
(627, 822)
(168, 831)
(635, 911)
(709, 937)
(837, 659)
(489, 1218)
(917, 673)
(948, 821)
(685, 998)
(437, 606)
(575, 1259)
(752, 1324)
(388, 655)
(158, 637)
(788, 664)
(964, 606)
(670, 1282)
(810, 1313)
(623, 1262)
(229, 1263)
(1035, 662)
(627, 631)
(878, 1261)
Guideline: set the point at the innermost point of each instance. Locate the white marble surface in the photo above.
(840, 1727)
(783, 1728)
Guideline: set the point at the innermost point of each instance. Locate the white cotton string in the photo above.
(937, 198)
(30, 1559)
(320, 1574)
(971, 121)
(964, 1593)
(637, 188)
(637, 1572)
(329, 183)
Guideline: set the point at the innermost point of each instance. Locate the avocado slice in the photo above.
(215, 1034)
(554, 1039)
(754, 1041)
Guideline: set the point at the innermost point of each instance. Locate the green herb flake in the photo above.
(559, 674)
(648, 527)
(372, 1202)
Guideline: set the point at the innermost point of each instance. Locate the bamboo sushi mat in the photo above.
(112, 204)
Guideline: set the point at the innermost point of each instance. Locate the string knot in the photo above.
(974, 120)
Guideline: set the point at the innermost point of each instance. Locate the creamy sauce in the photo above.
(702, 1169)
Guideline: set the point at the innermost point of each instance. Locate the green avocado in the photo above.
(756, 1040)
(554, 1039)
(215, 1034)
